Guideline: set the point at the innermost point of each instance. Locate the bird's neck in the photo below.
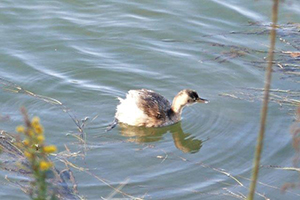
(177, 106)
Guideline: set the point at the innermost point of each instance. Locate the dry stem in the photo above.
(264, 109)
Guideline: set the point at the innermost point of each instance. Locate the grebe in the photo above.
(150, 109)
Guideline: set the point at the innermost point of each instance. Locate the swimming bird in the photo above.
(149, 109)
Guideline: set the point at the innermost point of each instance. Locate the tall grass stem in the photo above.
(264, 110)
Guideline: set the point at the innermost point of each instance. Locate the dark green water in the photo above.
(86, 53)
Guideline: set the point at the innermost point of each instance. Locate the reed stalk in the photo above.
(259, 145)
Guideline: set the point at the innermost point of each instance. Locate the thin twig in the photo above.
(98, 178)
(264, 109)
(110, 196)
(297, 169)
(12, 87)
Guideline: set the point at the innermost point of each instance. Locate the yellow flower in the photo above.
(27, 155)
(20, 129)
(40, 139)
(50, 149)
(26, 142)
(30, 133)
(35, 121)
(45, 165)
(38, 129)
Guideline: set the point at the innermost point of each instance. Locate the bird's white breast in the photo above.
(128, 111)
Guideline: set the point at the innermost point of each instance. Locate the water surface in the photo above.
(86, 53)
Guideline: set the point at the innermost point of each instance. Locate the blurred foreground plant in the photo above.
(36, 152)
(264, 109)
(295, 132)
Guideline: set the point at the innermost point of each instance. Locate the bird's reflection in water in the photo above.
(183, 141)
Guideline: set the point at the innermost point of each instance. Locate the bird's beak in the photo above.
(200, 100)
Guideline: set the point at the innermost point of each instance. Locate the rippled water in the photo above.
(86, 53)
